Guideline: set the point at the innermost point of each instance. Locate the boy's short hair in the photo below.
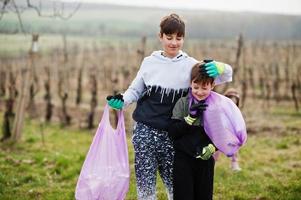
(171, 24)
(198, 74)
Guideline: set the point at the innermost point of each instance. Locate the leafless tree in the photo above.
(58, 9)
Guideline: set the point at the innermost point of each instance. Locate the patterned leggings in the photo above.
(153, 151)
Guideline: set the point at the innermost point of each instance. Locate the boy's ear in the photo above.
(212, 85)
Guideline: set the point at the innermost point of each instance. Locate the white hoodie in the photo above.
(159, 83)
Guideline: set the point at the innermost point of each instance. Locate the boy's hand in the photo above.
(214, 68)
(195, 110)
(189, 120)
(115, 102)
(207, 152)
(198, 108)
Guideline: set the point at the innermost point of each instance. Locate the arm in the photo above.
(177, 129)
(226, 76)
(221, 72)
(133, 93)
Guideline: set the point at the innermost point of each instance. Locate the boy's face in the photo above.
(171, 44)
(201, 91)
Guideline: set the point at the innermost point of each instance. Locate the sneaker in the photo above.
(235, 166)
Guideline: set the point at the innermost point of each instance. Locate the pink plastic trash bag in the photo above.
(105, 173)
(224, 124)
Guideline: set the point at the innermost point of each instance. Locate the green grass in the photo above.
(271, 164)
(271, 170)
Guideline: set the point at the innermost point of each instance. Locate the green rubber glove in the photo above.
(116, 102)
(196, 110)
(214, 68)
(207, 152)
(189, 119)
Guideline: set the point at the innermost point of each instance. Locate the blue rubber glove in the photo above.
(214, 68)
(207, 152)
(116, 102)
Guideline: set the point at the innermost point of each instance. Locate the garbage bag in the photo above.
(224, 124)
(105, 173)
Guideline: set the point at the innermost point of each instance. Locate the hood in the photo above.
(159, 55)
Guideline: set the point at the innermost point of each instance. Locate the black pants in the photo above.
(193, 178)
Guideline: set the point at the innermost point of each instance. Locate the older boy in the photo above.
(162, 79)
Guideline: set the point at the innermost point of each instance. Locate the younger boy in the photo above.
(193, 162)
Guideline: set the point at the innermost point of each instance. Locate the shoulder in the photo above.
(148, 59)
(180, 109)
(151, 59)
(181, 104)
(192, 60)
(188, 58)
(190, 63)
(146, 63)
(183, 100)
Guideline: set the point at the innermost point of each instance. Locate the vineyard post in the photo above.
(20, 111)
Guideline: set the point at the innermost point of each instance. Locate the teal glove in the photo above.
(116, 102)
(214, 68)
(207, 152)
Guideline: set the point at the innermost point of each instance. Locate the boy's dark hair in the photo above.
(171, 24)
(199, 75)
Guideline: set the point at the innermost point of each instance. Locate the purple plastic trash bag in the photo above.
(105, 173)
(224, 124)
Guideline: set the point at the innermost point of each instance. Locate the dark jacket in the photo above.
(189, 139)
